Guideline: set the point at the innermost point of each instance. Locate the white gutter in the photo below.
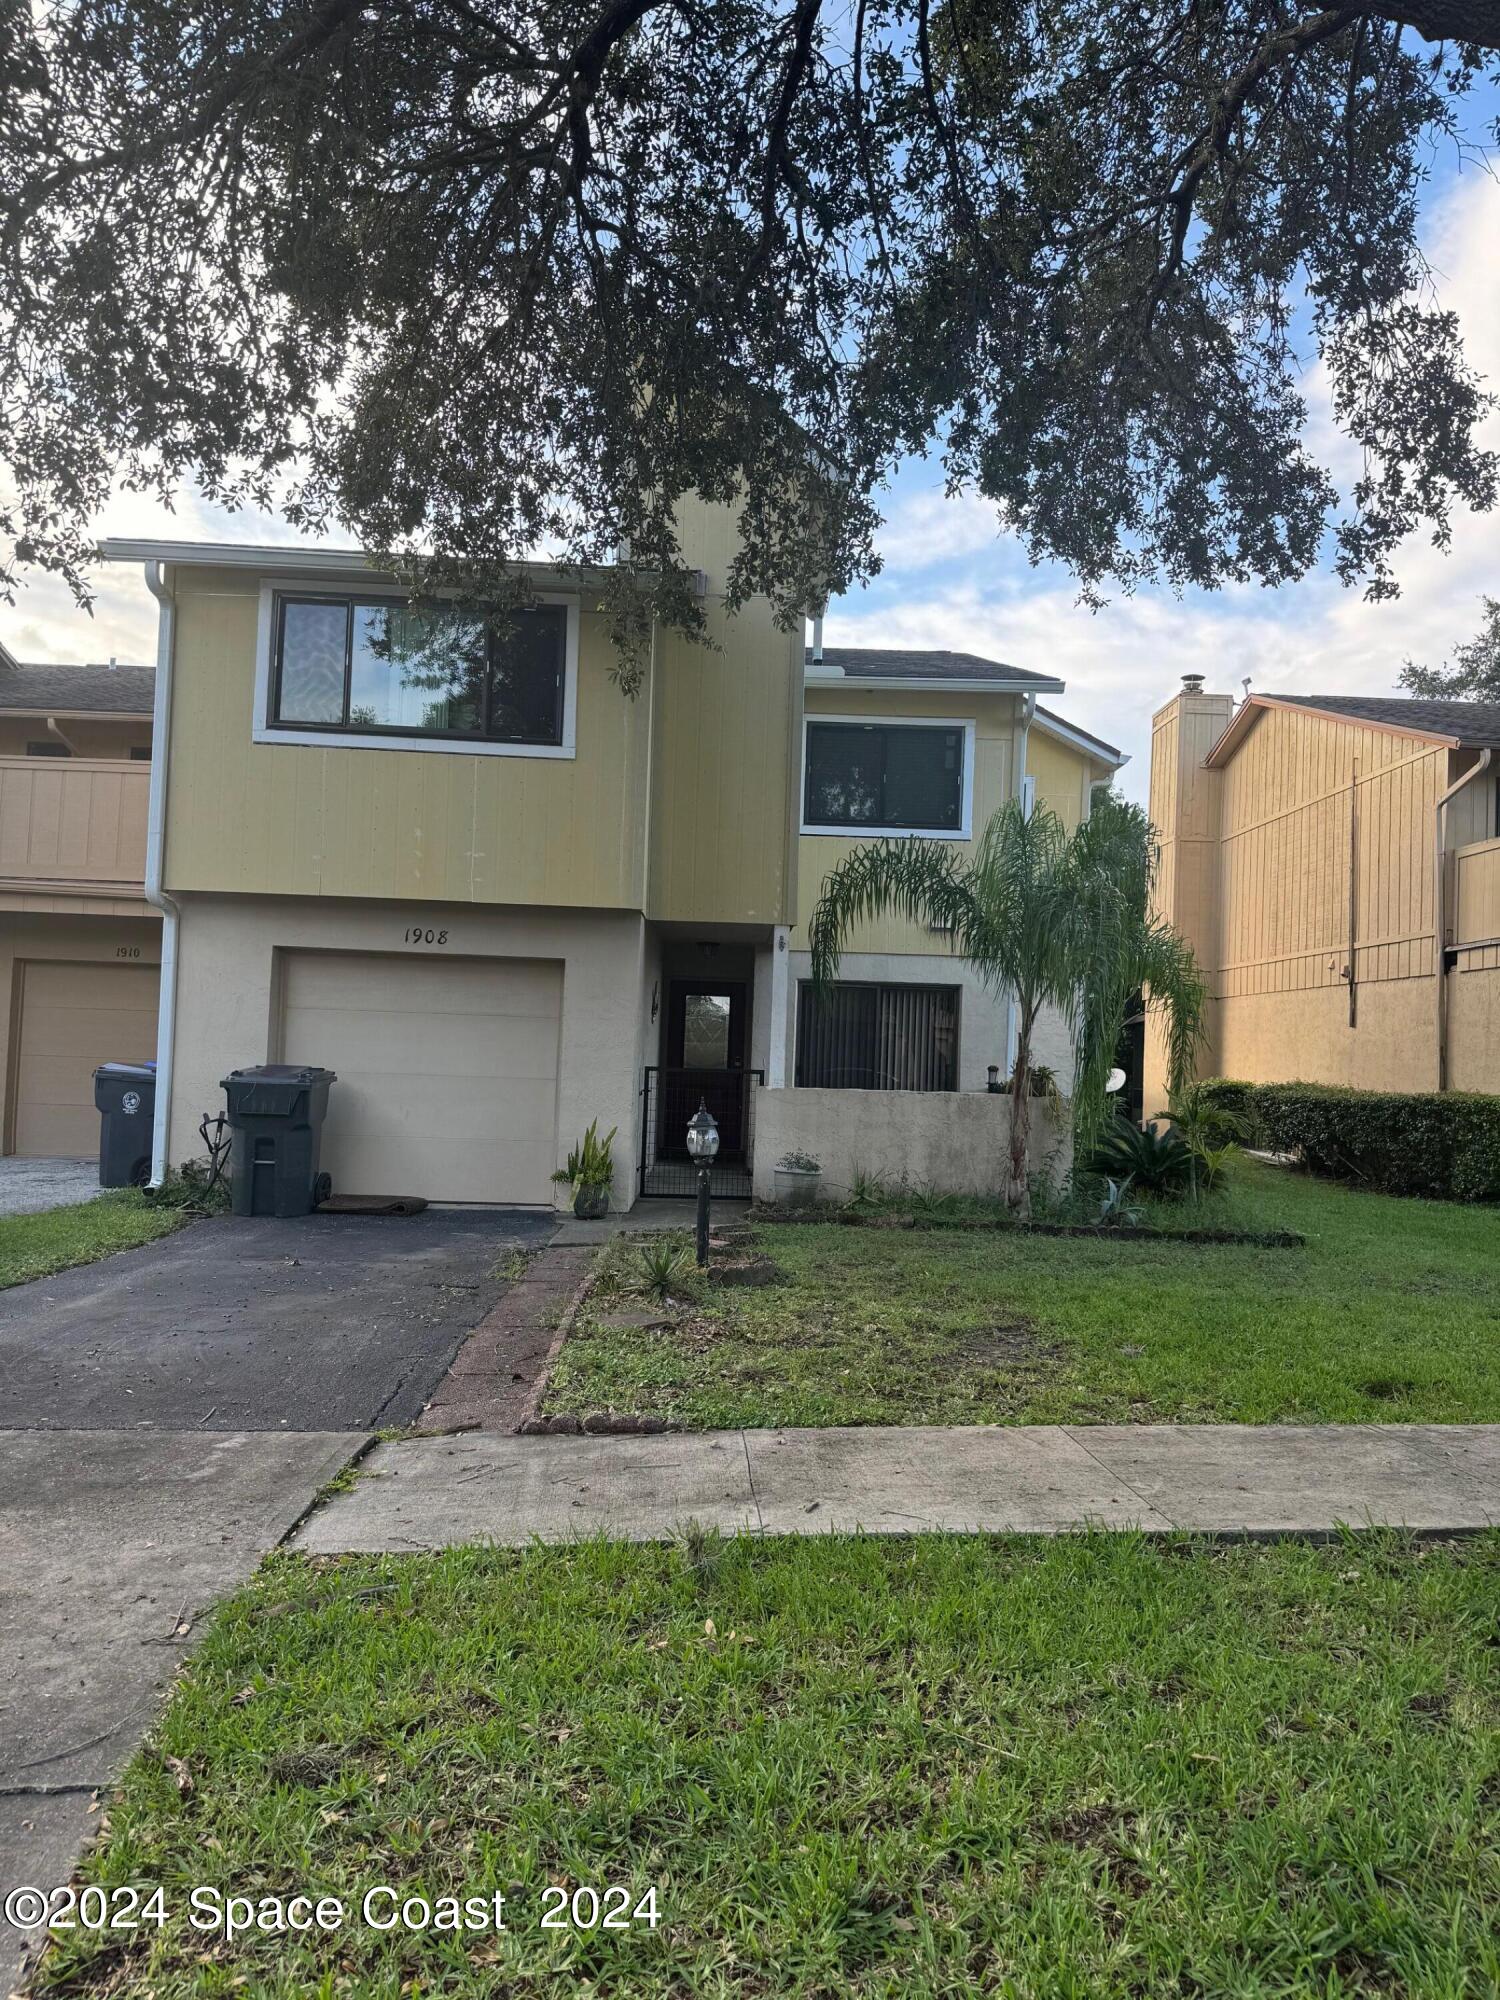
(922, 684)
(156, 827)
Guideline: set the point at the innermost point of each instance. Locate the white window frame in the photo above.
(290, 735)
(965, 828)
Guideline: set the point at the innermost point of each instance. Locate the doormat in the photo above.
(372, 1204)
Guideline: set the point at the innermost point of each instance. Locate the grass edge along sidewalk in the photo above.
(1387, 1314)
(1104, 1766)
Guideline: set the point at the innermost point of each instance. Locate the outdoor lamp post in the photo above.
(703, 1146)
(993, 1086)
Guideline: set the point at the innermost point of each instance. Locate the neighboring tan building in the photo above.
(448, 860)
(1334, 862)
(79, 943)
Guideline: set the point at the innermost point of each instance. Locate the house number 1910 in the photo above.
(416, 935)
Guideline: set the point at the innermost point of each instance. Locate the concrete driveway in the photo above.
(325, 1323)
(166, 1416)
(29, 1186)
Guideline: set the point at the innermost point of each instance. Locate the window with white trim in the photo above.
(379, 667)
(906, 777)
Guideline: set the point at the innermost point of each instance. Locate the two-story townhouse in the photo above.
(1334, 861)
(900, 743)
(446, 858)
(79, 943)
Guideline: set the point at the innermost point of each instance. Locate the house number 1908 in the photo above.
(416, 935)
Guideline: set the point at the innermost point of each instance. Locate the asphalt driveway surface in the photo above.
(322, 1323)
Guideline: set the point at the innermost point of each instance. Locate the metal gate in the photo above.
(669, 1099)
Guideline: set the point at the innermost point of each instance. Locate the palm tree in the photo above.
(1054, 918)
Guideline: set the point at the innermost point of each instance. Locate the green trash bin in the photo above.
(276, 1113)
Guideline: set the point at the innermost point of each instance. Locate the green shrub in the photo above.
(1444, 1145)
(1154, 1159)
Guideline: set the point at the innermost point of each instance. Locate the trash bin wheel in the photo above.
(140, 1174)
(322, 1188)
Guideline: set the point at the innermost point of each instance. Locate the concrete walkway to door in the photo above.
(429, 1493)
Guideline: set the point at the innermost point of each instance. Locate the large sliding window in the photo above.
(907, 777)
(377, 667)
(858, 1037)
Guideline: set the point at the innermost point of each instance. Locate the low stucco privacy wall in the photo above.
(952, 1142)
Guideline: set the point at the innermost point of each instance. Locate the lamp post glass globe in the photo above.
(702, 1135)
(702, 1144)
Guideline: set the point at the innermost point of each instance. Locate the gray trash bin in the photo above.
(125, 1094)
(276, 1122)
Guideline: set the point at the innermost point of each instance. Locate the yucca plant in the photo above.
(1054, 918)
(1153, 1158)
(664, 1267)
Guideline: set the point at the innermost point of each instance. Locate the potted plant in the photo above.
(797, 1179)
(589, 1171)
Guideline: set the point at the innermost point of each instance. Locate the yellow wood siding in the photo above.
(1287, 861)
(726, 719)
(993, 717)
(1321, 861)
(73, 820)
(1062, 775)
(1476, 902)
(708, 738)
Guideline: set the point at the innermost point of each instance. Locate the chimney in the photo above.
(1185, 812)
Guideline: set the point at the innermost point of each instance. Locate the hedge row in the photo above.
(1400, 1142)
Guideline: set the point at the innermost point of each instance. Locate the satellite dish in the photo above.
(1114, 1081)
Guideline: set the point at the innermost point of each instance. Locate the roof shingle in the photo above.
(44, 690)
(1476, 722)
(906, 663)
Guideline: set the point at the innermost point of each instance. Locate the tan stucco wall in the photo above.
(228, 1005)
(948, 1142)
(134, 940)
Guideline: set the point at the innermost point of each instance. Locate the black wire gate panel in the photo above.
(669, 1099)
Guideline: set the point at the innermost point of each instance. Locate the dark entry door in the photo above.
(705, 1064)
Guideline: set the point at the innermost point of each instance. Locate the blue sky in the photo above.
(951, 580)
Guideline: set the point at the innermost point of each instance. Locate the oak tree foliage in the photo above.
(474, 278)
(1473, 674)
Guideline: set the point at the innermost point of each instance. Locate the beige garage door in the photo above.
(75, 1016)
(447, 1071)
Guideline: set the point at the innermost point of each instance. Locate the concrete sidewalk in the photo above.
(113, 1546)
(428, 1493)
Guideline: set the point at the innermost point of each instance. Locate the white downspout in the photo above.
(1026, 708)
(156, 827)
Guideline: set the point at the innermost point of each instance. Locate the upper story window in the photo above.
(382, 668)
(892, 777)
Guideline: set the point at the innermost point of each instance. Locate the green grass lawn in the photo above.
(1390, 1313)
(34, 1246)
(1065, 1770)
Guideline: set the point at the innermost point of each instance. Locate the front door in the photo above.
(705, 1063)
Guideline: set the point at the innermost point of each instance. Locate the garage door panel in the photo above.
(496, 1046)
(427, 985)
(75, 1014)
(447, 1071)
